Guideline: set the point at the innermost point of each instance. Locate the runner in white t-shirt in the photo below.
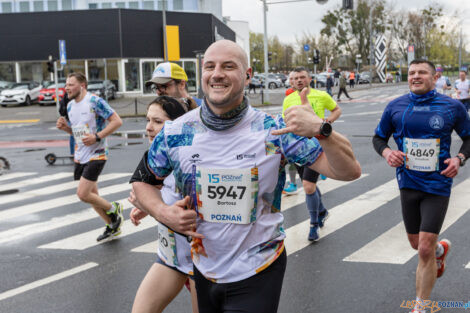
(462, 87)
(442, 82)
(228, 162)
(88, 114)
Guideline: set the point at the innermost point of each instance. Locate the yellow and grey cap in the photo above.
(165, 72)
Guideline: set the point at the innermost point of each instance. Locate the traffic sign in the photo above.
(62, 52)
(306, 47)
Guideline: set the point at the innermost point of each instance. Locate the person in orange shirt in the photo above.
(352, 79)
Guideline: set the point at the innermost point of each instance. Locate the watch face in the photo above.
(326, 129)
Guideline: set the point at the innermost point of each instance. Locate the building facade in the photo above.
(122, 45)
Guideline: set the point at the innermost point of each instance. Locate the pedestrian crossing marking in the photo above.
(54, 188)
(150, 247)
(392, 247)
(41, 206)
(87, 240)
(39, 283)
(289, 201)
(34, 181)
(342, 215)
(15, 175)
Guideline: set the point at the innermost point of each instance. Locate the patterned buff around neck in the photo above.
(422, 98)
(224, 121)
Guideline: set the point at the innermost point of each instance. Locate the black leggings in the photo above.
(423, 211)
(257, 294)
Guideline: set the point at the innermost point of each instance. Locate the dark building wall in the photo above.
(113, 33)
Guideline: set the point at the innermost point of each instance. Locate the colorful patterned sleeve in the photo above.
(296, 149)
(102, 108)
(158, 160)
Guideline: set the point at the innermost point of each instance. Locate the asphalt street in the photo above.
(50, 261)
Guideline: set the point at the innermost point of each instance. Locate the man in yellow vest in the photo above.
(320, 101)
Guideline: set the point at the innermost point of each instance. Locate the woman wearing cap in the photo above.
(173, 267)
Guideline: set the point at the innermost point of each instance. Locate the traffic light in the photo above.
(316, 56)
(348, 4)
(270, 56)
(50, 66)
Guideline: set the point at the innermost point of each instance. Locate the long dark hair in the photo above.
(172, 107)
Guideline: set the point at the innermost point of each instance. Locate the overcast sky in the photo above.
(290, 19)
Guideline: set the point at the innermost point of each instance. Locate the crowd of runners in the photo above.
(215, 172)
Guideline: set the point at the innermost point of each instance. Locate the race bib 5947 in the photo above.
(228, 195)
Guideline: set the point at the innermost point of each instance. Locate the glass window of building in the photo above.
(93, 6)
(38, 6)
(66, 5)
(120, 5)
(160, 4)
(190, 69)
(177, 5)
(24, 6)
(7, 72)
(106, 5)
(52, 5)
(132, 75)
(112, 72)
(32, 71)
(7, 7)
(133, 5)
(72, 66)
(149, 5)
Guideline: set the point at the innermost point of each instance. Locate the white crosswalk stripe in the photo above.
(393, 247)
(14, 175)
(53, 189)
(34, 181)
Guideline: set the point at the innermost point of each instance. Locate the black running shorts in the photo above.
(307, 173)
(90, 170)
(423, 211)
(257, 294)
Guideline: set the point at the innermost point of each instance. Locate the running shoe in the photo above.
(116, 217)
(313, 235)
(291, 189)
(109, 233)
(322, 217)
(323, 177)
(441, 261)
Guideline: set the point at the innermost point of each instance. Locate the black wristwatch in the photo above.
(325, 130)
(98, 139)
(462, 159)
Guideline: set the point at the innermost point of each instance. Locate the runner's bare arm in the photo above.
(114, 123)
(174, 216)
(334, 115)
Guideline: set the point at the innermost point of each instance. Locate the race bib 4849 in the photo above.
(79, 132)
(228, 195)
(422, 154)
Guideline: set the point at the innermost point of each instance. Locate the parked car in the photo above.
(282, 77)
(364, 78)
(272, 82)
(47, 95)
(321, 80)
(4, 84)
(20, 93)
(102, 88)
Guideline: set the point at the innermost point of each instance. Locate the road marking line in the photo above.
(88, 239)
(150, 247)
(468, 265)
(38, 283)
(392, 247)
(19, 121)
(34, 181)
(56, 202)
(342, 215)
(24, 231)
(15, 175)
(289, 201)
(54, 188)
